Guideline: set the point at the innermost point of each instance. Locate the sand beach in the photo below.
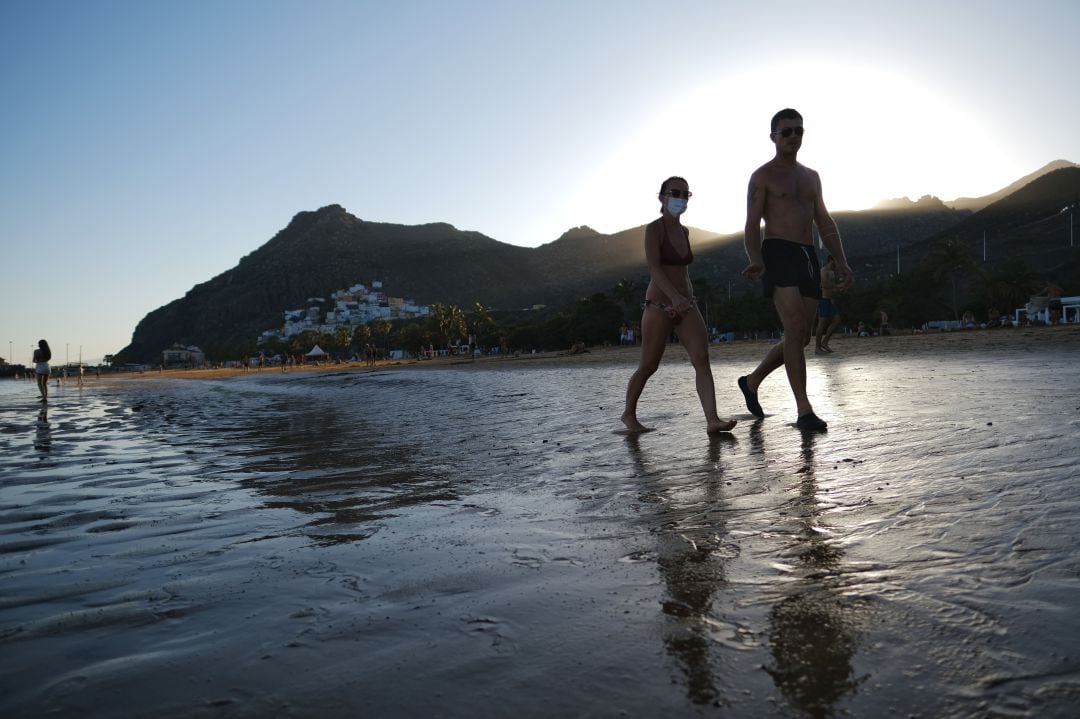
(480, 538)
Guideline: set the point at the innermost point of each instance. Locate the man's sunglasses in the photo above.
(680, 194)
(789, 131)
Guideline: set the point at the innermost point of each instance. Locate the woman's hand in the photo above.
(679, 306)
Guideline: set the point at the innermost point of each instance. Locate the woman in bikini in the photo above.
(669, 304)
(42, 355)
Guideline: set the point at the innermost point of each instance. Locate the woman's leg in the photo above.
(695, 338)
(655, 329)
(43, 385)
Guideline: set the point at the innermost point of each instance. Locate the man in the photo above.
(787, 196)
(828, 313)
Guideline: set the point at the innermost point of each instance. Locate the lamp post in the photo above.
(1070, 209)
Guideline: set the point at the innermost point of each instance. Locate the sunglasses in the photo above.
(680, 194)
(789, 131)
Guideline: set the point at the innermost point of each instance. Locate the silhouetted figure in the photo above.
(42, 355)
(669, 305)
(788, 197)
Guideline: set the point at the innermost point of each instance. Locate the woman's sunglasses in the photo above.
(680, 194)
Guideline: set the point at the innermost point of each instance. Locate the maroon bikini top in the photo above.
(668, 254)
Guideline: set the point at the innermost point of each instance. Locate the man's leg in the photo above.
(819, 336)
(796, 313)
(832, 328)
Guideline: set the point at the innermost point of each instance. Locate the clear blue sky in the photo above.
(146, 147)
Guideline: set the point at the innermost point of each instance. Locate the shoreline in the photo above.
(845, 346)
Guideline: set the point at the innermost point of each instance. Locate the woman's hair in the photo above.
(46, 353)
(665, 183)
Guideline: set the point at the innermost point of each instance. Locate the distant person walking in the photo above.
(788, 197)
(669, 305)
(42, 355)
(827, 311)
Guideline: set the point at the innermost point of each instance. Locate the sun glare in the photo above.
(872, 134)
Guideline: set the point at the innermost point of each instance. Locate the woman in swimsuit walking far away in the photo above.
(669, 303)
(42, 355)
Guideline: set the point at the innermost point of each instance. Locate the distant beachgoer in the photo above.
(669, 305)
(788, 197)
(82, 375)
(883, 327)
(828, 312)
(863, 330)
(42, 355)
(1053, 293)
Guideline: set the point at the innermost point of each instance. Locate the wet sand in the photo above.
(479, 539)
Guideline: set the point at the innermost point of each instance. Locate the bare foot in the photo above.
(633, 425)
(827, 348)
(721, 425)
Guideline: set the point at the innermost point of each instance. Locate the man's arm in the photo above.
(830, 237)
(755, 210)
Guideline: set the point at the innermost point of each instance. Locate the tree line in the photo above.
(947, 282)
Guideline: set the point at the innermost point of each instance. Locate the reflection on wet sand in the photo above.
(691, 555)
(321, 461)
(42, 431)
(811, 631)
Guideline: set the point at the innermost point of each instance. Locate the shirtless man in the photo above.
(828, 313)
(788, 197)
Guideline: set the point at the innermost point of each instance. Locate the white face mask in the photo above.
(676, 205)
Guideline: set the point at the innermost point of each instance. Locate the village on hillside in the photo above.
(349, 308)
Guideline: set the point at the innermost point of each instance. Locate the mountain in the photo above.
(1031, 223)
(926, 202)
(977, 203)
(328, 249)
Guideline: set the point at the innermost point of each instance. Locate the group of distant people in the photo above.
(787, 196)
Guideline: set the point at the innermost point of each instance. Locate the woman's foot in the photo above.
(721, 425)
(632, 423)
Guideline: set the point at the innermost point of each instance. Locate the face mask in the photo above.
(676, 205)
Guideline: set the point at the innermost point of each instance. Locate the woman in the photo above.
(42, 355)
(669, 304)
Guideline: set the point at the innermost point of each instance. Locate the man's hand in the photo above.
(754, 271)
(845, 278)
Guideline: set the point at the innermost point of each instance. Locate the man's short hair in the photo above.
(786, 114)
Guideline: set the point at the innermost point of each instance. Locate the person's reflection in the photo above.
(42, 431)
(690, 531)
(812, 630)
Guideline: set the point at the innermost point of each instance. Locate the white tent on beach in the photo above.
(316, 351)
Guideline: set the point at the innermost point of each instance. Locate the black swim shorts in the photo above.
(791, 264)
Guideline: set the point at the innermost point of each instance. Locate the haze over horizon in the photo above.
(148, 147)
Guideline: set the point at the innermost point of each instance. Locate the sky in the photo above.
(146, 147)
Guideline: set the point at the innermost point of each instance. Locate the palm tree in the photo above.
(380, 329)
(480, 321)
(949, 259)
(625, 293)
(1008, 285)
(342, 337)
